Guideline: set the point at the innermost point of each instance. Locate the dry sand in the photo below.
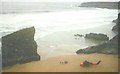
(109, 64)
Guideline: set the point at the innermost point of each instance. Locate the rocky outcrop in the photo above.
(115, 21)
(113, 43)
(109, 5)
(19, 47)
(95, 36)
(115, 28)
(110, 47)
(79, 35)
(92, 49)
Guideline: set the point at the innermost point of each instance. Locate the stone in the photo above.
(92, 49)
(109, 47)
(19, 47)
(66, 62)
(78, 35)
(97, 36)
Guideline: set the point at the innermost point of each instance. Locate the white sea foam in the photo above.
(58, 21)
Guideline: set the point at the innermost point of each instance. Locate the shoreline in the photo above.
(61, 43)
(109, 64)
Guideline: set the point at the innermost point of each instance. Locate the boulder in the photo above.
(19, 47)
(92, 49)
(109, 47)
(97, 36)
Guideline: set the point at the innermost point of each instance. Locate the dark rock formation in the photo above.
(115, 28)
(19, 47)
(109, 5)
(92, 49)
(113, 43)
(117, 21)
(109, 47)
(97, 36)
(78, 35)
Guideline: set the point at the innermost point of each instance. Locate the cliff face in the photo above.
(109, 5)
(19, 47)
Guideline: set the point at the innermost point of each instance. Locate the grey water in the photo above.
(29, 7)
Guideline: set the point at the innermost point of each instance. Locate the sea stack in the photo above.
(19, 47)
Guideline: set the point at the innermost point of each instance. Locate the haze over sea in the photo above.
(56, 23)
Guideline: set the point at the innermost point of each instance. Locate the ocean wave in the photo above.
(20, 12)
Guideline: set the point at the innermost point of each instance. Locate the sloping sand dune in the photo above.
(109, 64)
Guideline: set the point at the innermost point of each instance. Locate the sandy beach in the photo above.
(62, 46)
(109, 64)
(56, 24)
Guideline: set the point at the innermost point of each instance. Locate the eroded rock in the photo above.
(19, 47)
(97, 36)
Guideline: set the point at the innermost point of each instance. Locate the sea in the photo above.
(56, 23)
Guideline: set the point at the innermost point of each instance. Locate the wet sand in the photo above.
(65, 43)
(109, 64)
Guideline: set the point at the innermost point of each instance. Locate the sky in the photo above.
(56, 0)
